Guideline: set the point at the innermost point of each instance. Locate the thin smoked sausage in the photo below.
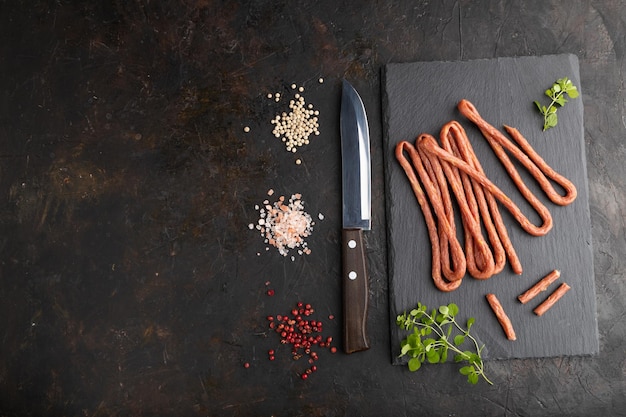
(443, 233)
(527, 156)
(436, 172)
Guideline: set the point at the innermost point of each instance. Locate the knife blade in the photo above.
(356, 202)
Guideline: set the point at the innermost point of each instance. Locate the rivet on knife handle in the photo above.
(355, 291)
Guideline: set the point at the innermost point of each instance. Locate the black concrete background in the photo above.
(130, 283)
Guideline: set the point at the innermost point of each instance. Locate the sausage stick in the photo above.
(540, 286)
(471, 226)
(545, 171)
(429, 144)
(552, 299)
(527, 156)
(455, 140)
(434, 180)
(503, 319)
(444, 233)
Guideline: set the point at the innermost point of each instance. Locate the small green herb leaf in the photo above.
(428, 343)
(470, 322)
(466, 370)
(453, 309)
(475, 359)
(473, 378)
(444, 355)
(550, 120)
(538, 106)
(414, 364)
(432, 355)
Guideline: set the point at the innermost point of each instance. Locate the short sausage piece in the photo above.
(541, 285)
(503, 319)
(552, 299)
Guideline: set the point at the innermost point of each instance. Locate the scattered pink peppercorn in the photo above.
(302, 334)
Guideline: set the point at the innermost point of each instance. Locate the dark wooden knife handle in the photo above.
(355, 291)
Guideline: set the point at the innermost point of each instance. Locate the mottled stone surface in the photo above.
(129, 280)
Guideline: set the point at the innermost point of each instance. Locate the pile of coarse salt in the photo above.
(285, 224)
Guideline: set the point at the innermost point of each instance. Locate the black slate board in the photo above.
(422, 97)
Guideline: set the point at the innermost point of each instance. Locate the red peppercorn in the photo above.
(270, 292)
(246, 365)
(302, 334)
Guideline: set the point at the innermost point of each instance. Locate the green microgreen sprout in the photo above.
(556, 93)
(430, 339)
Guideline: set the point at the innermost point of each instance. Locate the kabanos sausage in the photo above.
(431, 146)
(525, 154)
(483, 204)
(434, 233)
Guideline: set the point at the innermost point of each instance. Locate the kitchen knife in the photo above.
(356, 201)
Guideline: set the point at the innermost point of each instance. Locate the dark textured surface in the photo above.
(421, 98)
(130, 283)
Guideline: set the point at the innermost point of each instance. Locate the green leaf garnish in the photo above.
(558, 91)
(439, 324)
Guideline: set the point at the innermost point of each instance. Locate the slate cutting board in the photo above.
(422, 97)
